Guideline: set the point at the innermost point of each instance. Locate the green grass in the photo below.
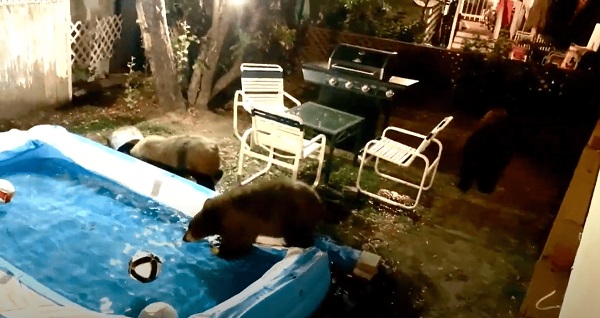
(345, 173)
(104, 124)
(149, 128)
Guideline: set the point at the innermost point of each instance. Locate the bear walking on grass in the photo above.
(188, 156)
(276, 208)
(487, 152)
(184, 155)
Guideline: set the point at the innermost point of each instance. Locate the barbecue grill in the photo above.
(359, 80)
(359, 70)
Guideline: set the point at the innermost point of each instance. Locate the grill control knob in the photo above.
(348, 85)
(333, 81)
(389, 93)
(365, 88)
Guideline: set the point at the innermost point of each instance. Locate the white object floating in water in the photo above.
(214, 240)
(7, 190)
(158, 310)
(106, 306)
(144, 266)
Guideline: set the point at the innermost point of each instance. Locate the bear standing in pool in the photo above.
(277, 208)
(487, 152)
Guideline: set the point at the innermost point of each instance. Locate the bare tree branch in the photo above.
(234, 72)
(227, 78)
(203, 86)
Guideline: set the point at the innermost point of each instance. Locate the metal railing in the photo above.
(473, 10)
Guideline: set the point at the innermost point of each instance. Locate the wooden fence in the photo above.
(35, 64)
(450, 69)
(320, 43)
(473, 78)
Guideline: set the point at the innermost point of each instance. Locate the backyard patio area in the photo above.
(457, 255)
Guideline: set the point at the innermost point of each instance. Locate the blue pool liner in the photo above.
(341, 256)
(293, 288)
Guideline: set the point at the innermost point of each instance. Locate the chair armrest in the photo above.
(320, 138)
(246, 103)
(403, 131)
(238, 93)
(363, 153)
(292, 98)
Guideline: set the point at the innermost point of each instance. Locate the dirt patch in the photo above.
(457, 255)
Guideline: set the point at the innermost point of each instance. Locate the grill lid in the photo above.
(360, 60)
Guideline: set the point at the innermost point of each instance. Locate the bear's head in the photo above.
(207, 181)
(205, 223)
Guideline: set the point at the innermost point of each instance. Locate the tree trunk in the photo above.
(203, 86)
(212, 60)
(152, 20)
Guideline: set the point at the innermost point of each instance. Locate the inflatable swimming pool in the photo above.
(81, 210)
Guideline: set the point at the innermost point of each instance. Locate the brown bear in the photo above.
(184, 155)
(276, 208)
(487, 152)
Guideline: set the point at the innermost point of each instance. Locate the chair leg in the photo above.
(392, 178)
(376, 196)
(329, 161)
(240, 165)
(373, 195)
(434, 167)
(256, 175)
(420, 192)
(320, 158)
(420, 187)
(432, 174)
(235, 121)
(360, 170)
(295, 169)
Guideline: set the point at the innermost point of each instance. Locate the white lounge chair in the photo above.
(262, 86)
(402, 156)
(282, 136)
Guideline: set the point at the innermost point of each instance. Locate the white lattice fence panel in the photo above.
(92, 42)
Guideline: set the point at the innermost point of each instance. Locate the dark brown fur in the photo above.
(277, 208)
(185, 155)
(487, 152)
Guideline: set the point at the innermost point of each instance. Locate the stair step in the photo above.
(457, 46)
(463, 41)
(470, 35)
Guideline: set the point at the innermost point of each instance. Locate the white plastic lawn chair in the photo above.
(403, 156)
(262, 86)
(282, 136)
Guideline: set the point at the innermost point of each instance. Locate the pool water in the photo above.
(75, 232)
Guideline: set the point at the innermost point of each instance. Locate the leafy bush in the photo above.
(370, 17)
